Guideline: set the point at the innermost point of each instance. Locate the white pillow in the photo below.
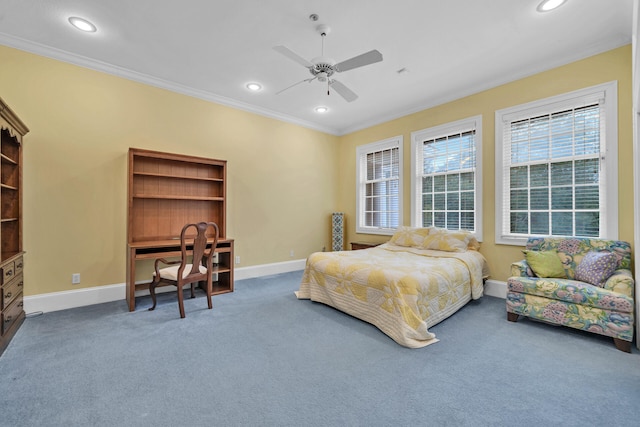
(410, 236)
(450, 240)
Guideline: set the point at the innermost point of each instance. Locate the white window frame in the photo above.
(361, 175)
(417, 140)
(606, 95)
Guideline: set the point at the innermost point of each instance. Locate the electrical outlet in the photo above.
(238, 259)
(75, 278)
(291, 253)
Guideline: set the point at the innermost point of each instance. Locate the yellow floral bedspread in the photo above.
(401, 290)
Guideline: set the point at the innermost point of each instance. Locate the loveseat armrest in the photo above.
(521, 269)
(621, 282)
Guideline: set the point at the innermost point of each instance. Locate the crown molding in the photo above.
(82, 61)
(92, 64)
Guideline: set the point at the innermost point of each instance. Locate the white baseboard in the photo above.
(55, 301)
(268, 269)
(63, 300)
(495, 288)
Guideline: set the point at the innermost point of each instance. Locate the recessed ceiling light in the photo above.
(82, 24)
(321, 109)
(254, 87)
(547, 5)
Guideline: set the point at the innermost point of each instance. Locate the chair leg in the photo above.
(512, 317)
(622, 345)
(209, 292)
(180, 302)
(152, 292)
(193, 292)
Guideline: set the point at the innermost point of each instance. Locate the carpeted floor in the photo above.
(261, 357)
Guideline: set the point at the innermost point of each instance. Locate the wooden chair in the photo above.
(183, 272)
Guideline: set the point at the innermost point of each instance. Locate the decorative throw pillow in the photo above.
(596, 267)
(545, 263)
(409, 236)
(450, 241)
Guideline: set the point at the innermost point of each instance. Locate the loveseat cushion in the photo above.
(596, 267)
(545, 263)
(572, 250)
(600, 321)
(571, 291)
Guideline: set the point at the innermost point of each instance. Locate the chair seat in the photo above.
(171, 273)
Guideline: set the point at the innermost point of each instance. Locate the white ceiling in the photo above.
(211, 48)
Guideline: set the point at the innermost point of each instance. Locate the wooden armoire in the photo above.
(12, 130)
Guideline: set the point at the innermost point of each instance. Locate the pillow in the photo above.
(596, 267)
(409, 236)
(545, 263)
(450, 241)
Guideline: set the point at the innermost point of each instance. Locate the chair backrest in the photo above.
(202, 250)
(572, 249)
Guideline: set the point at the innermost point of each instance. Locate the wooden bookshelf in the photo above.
(167, 191)
(12, 130)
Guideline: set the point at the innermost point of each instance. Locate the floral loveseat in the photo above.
(596, 296)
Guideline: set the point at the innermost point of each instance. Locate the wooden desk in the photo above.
(170, 249)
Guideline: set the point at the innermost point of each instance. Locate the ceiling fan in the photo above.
(323, 68)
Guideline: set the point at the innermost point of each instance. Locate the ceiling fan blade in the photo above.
(367, 58)
(343, 91)
(296, 84)
(293, 56)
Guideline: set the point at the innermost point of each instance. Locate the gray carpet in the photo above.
(261, 357)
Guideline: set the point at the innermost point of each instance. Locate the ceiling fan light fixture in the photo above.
(82, 24)
(254, 87)
(549, 5)
(321, 109)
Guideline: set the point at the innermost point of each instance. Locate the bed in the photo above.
(403, 287)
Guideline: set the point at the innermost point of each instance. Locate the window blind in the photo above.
(379, 186)
(448, 181)
(382, 190)
(552, 180)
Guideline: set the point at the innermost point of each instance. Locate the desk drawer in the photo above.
(11, 290)
(8, 272)
(11, 314)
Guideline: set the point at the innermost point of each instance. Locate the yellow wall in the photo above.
(282, 178)
(612, 65)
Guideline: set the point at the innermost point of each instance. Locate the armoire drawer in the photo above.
(11, 290)
(11, 314)
(8, 272)
(18, 266)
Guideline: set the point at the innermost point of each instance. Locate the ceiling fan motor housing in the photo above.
(322, 65)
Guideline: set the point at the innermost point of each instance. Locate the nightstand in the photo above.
(362, 245)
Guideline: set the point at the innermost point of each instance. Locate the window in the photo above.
(556, 167)
(379, 186)
(446, 181)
